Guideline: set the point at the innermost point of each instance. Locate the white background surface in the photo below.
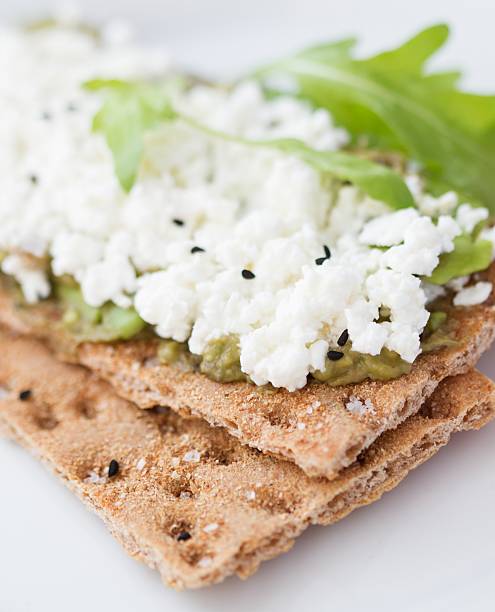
(427, 546)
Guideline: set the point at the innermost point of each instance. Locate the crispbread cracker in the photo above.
(310, 427)
(180, 475)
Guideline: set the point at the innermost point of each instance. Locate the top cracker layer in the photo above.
(311, 427)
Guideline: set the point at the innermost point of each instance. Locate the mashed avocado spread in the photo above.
(220, 361)
(103, 324)
(221, 358)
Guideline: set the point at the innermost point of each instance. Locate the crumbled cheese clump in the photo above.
(32, 280)
(204, 210)
(476, 294)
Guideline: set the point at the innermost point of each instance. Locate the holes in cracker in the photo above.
(224, 453)
(44, 418)
(178, 485)
(85, 408)
(176, 529)
(275, 501)
(277, 418)
(196, 555)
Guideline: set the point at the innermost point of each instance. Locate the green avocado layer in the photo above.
(103, 324)
(221, 358)
(355, 367)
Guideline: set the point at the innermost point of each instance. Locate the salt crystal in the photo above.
(204, 562)
(313, 406)
(94, 478)
(4, 393)
(192, 456)
(356, 406)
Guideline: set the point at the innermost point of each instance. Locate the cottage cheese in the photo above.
(476, 294)
(247, 209)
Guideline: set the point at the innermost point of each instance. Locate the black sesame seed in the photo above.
(71, 108)
(113, 468)
(178, 222)
(197, 249)
(25, 395)
(344, 336)
(33, 178)
(320, 260)
(247, 274)
(335, 355)
(46, 116)
(183, 536)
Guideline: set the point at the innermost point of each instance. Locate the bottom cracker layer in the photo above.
(188, 499)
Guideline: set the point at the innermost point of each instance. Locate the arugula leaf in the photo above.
(378, 181)
(469, 255)
(131, 109)
(128, 112)
(410, 57)
(391, 100)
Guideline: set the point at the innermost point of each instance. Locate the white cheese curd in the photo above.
(32, 279)
(215, 237)
(468, 217)
(476, 294)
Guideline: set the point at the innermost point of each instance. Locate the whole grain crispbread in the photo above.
(311, 427)
(188, 499)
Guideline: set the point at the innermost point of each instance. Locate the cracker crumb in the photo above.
(192, 456)
(210, 528)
